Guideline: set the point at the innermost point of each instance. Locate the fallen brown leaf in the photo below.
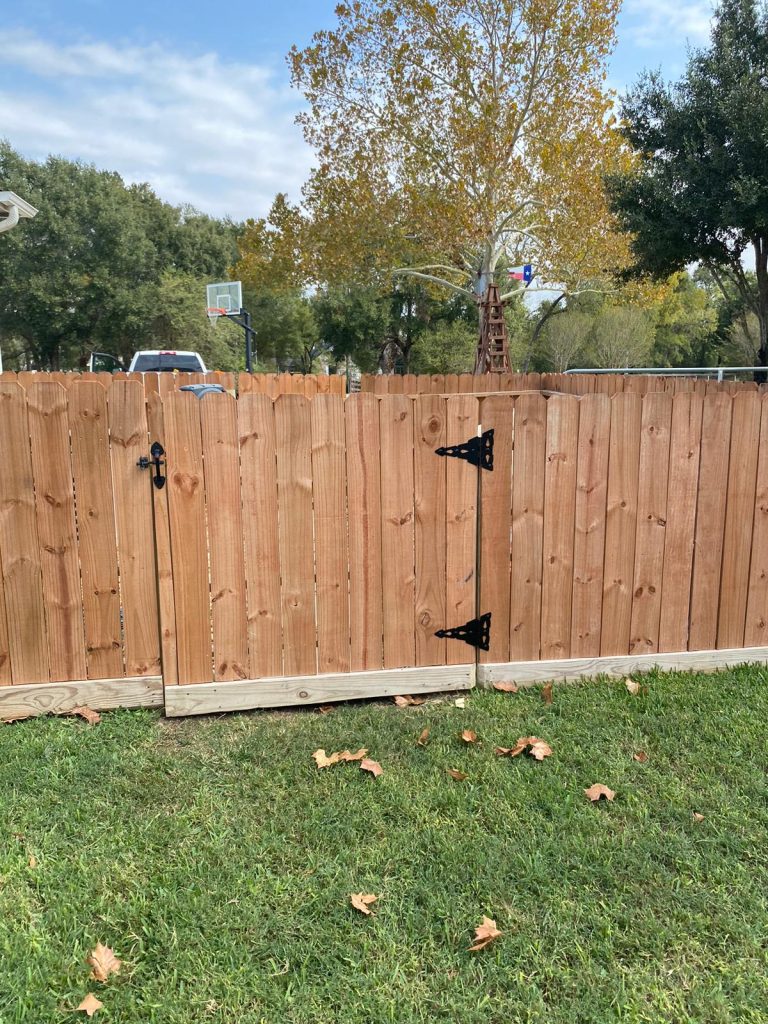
(90, 1004)
(456, 774)
(406, 701)
(484, 933)
(371, 766)
(325, 709)
(594, 793)
(632, 687)
(32, 862)
(361, 901)
(92, 717)
(423, 738)
(537, 748)
(506, 687)
(460, 702)
(546, 693)
(697, 816)
(104, 962)
(323, 760)
(469, 736)
(640, 756)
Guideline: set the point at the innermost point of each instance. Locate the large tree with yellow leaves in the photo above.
(456, 139)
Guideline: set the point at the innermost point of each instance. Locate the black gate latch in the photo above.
(476, 632)
(478, 451)
(155, 452)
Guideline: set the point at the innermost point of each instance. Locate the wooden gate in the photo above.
(309, 551)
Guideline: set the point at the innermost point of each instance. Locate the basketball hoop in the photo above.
(214, 312)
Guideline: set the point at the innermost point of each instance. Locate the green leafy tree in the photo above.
(448, 347)
(699, 191)
(565, 339)
(686, 325)
(621, 336)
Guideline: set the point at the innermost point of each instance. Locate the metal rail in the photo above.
(679, 371)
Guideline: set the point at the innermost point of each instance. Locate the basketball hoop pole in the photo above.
(243, 319)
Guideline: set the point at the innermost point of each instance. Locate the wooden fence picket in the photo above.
(430, 531)
(461, 492)
(497, 414)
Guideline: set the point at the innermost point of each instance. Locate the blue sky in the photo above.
(196, 99)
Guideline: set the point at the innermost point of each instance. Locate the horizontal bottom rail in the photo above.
(32, 699)
(293, 691)
(569, 669)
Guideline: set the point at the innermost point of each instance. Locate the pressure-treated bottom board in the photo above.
(98, 694)
(294, 691)
(569, 669)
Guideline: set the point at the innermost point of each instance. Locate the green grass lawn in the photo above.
(217, 861)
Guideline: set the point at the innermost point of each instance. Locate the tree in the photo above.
(699, 191)
(90, 271)
(621, 336)
(686, 325)
(457, 139)
(449, 347)
(565, 339)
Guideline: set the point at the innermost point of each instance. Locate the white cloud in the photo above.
(657, 23)
(200, 129)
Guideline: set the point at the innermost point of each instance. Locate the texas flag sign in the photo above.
(524, 273)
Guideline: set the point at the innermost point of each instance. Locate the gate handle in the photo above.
(156, 451)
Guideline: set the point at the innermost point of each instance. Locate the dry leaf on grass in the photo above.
(632, 687)
(460, 702)
(32, 862)
(537, 748)
(469, 736)
(484, 933)
(456, 774)
(506, 687)
(406, 701)
(90, 1004)
(598, 791)
(546, 693)
(423, 738)
(323, 760)
(371, 766)
(697, 816)
(640, 756)
(104, 962)
(362, 900)
(91, 717)
(325, 709)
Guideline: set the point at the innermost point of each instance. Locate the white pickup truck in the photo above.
(165, 361)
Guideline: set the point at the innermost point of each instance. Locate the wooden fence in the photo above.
(561, 383)
(272, 384)
(309, 550)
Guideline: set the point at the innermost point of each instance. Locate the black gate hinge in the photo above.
(478, 451)
(155, 453)
(476, 632)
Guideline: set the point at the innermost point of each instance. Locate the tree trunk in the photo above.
(761, 272)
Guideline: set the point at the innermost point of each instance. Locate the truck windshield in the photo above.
(167, 362)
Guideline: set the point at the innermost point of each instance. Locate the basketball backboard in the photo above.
(224, 297)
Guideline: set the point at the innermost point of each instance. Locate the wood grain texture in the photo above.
(97, 694)
(189, 545)
(97, 547)
(5, 648)
(302, 690)
(163, 555)
(56, 530)
(756, 628)
(497, 414)
(710, 521)
(221, 468)
(329, 492)
(651, 523)
(397, 530)
(19, 546)
(361, 417)
(297, 563)
(528, 469)
(739, 518)
(620, 523)
(430, 529)
(135, 530)
(684, 456)
(258, 472)
(461, 488)
(589, 524)
(570, 669)
(559, 521)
